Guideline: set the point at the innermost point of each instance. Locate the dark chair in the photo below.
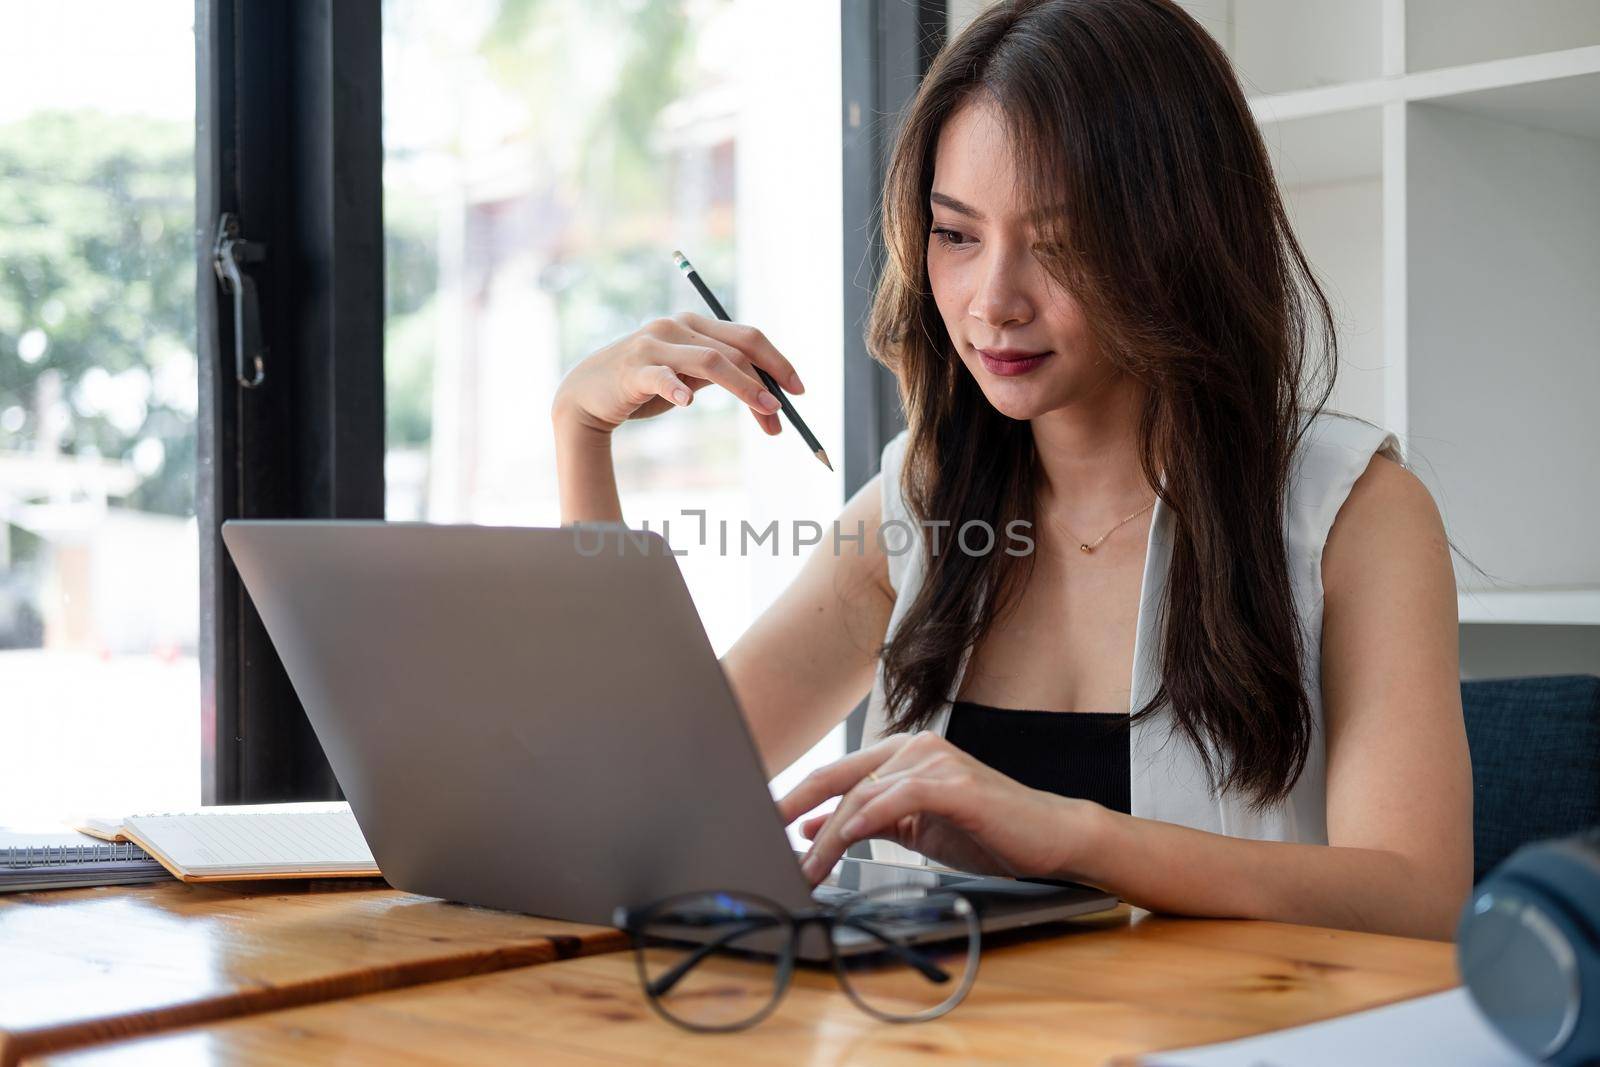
(1535, 761)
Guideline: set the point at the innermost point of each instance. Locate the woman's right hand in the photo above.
(664, 363)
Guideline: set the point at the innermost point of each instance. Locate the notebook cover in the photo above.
(243, 876)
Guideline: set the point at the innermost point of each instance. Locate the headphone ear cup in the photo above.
(1528, 950)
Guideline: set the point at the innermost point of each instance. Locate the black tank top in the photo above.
(1072, 754)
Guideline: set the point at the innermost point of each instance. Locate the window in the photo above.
(99, 684)
(539, 164)
(542, 163)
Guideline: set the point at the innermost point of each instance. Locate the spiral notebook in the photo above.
(247, 842)
(30, 861)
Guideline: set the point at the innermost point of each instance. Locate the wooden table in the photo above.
(85, 965)
(1109, 987)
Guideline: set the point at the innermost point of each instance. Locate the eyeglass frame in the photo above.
(634, 922)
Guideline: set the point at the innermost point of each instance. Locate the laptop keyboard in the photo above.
(832, 894)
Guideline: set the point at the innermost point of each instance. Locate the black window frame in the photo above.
(886, 48)
(289, 142)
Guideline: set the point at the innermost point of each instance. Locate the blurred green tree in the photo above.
(97, 276)
(411, 282)
(603, 141)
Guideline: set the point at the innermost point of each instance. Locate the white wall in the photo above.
(1503, 234)
(1446, 33)
(1493, 651)
(1340, 227)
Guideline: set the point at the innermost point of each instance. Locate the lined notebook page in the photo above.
(109, 827)
(257, 842)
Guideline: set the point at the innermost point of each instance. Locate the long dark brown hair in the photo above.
(1162, 218)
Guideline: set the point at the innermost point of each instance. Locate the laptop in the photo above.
(533, 719)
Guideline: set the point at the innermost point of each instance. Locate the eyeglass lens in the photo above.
(719, 961)
(907, 953)
(714, 961)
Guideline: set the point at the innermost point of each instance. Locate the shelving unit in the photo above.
(1536, 607)
(1464, 255)
(1441, 162)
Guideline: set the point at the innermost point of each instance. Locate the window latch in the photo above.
(228, 255)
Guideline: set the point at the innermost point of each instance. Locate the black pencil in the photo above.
(766, 379)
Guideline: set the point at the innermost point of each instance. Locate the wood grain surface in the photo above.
(1096, 991)
(84, 965)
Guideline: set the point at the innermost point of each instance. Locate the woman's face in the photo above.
(994, 295)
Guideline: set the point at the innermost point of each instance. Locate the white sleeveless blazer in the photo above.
(1168, 781)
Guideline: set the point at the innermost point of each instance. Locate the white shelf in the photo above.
(1501, 358)
(1447, 197)
(1285, 45)
(1501, 73)
(1440, 163)
(1326, 149)
(1548, 607)
(1330, 169)
(1565, 105)
(1521, 72)
(1306, 103)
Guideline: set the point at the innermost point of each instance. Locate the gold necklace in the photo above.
(1092, 545)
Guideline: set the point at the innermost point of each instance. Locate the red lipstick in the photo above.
(1008, 362)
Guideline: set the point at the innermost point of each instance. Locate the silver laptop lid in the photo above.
(524, 718)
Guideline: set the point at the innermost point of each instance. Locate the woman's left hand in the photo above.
(921, 792)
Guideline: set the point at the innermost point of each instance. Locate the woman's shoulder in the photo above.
(889, 466)
(893, 508)
(1387, 552)
(1334, 452)
(1350, 484)
(1335, 438)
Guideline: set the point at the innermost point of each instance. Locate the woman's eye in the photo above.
(948, 237)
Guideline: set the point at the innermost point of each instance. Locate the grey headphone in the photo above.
(1528, 946)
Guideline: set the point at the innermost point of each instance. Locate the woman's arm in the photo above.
(640, 375)
(1399, 778)
(809, 659)
(587, 478)
(1399, 858)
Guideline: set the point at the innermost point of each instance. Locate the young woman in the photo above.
(1223, 681)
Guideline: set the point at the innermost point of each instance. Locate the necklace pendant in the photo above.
(1085, 548)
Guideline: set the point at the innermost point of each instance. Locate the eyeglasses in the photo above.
(718, 961)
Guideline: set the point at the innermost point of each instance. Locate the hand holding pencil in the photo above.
(788, 409)
(665, 362)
